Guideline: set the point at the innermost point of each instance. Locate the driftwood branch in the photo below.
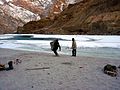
(38, 68)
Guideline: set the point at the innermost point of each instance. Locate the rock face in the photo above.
(7, 23)
(85, 17)
(14, 13)
(12, 16)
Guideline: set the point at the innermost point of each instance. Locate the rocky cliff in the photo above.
(85, 17)
(12, 15)
(15, 13)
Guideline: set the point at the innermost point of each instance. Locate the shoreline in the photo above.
(56, 73)
(51, 52)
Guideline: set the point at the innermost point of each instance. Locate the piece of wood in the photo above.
(38, 68)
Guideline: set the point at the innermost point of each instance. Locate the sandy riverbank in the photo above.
(56, 73)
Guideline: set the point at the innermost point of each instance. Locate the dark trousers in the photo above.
(55, 51)
(73, 52)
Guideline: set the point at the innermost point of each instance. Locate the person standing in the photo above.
(74, 47)
(56, 45)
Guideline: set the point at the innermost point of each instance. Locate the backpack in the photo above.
(52, 45)
(2, 67)
(110, 70)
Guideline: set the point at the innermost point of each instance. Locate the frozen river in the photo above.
(87, 45)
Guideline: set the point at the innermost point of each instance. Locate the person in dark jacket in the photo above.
(56, 45)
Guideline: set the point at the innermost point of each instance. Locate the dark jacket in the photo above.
(56, 45)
